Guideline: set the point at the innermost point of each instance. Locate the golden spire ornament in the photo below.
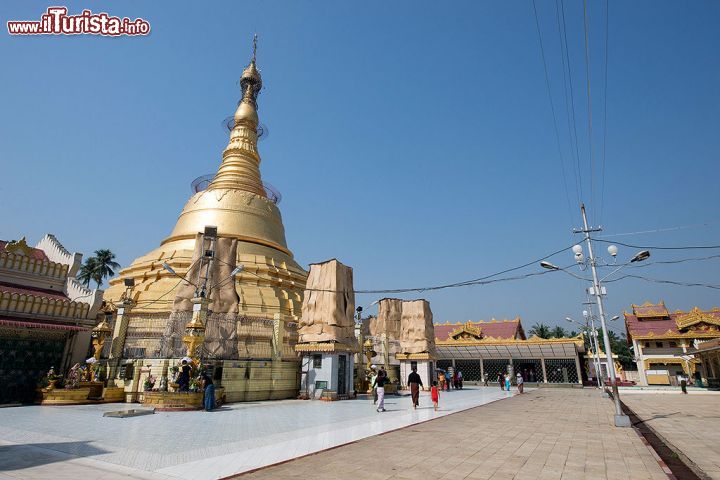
(236, 201)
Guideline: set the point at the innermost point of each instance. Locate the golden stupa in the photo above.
(238, 204)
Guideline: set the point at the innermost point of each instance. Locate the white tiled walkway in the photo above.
(78, 442)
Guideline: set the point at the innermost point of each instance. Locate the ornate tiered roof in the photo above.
(481, 330)
(21, 246)
(650, 321)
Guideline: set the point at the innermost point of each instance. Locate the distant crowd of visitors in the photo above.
(450, 379)
(446, 380)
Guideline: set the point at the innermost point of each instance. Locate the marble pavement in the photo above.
(77, 441)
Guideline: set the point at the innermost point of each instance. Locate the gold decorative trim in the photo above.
(325, 347)
(468, 329)
(656, 310)
(19, 247)
(241, 238)
(694, 317)
(671, 334)
(414, 356)
(511, 341)
(671, 360)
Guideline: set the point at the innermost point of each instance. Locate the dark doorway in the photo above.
(25, 359)
(342, 374)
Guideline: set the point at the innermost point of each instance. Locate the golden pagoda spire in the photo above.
(240, 167)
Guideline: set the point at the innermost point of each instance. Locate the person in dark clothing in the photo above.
(183, 380)
(209, 400)
(416, 384)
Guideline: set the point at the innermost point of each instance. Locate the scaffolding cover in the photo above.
(329, 305)
(417, 333)
(221, 286)
(388, 319)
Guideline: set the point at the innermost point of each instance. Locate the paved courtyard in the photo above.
(78, 442)
(689, 424)
(545, 434)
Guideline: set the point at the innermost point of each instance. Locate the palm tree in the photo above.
(558, 332)
(98, 268)
(540, 330)
(87, 271)
(105, 265)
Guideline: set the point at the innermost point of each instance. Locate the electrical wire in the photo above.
(657, 230)
(567, 97)
(649, 247)
(670, 282)
(578, 170)
(477, 281)
(669, 262)
(589, 104)
(152, 302)
(552, 109)
(604, 140)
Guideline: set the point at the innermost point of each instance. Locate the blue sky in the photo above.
(412, 141)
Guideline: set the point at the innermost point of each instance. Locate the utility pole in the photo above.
(594, 344)
(621, 420)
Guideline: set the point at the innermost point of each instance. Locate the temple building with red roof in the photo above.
(46, 314)
(663, 342)
(497, 347)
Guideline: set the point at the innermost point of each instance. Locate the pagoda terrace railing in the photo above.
(227, 337)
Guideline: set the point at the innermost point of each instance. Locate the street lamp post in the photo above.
(590, 317)
(592, 333)
(621, 420)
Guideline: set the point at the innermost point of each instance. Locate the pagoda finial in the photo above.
(254, 47)
(250, 80)
(239, 169)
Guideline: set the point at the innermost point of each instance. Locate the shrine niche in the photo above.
(466, 333)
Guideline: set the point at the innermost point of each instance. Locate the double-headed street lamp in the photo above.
(621, 420)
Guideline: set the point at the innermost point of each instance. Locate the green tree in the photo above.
(558, 332)
(105, 265)
(87, 271)
(540, 330)
(98, 267)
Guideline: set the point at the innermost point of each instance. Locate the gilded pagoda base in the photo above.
(86, 393)
(240, 381)
(178, 401)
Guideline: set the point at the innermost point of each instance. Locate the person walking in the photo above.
(416, 384)
(373, 376)
(459, 377)
(520, 382)
(450, 377)
(442, 379)
(683, 384)
(507, 382)
(379, 385)
(435, 395)
(486, 378)
(501, 381)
